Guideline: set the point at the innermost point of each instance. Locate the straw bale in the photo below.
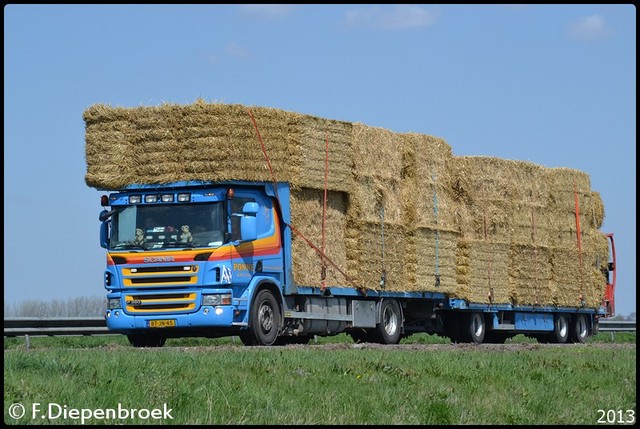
(306, 216)
(581, 271)
(562, 196)
(314, 135)
(570, 276)
(530, 277)
(488, 178)
(367, 256)
(375, 199)
(482, 271)
(377, 152)
(427, 160)
(500, 199)
(436, 256)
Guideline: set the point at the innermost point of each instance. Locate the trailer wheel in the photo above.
(146, 340)
(264, 321)
(473, 329)
(560, 332)
(390, 326)
(579, 329)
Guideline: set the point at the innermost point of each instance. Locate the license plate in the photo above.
(162, 323)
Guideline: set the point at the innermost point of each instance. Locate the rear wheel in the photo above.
(146, 340)
(579, 329)
(560, 332)
(390, 326)
(264, 321)
(473, 328)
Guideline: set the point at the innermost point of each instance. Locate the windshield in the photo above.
(148, 227)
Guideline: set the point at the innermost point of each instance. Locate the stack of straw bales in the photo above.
(401, 208)
(212, 142)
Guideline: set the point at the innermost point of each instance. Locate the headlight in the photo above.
(216, 299)
(113, 303)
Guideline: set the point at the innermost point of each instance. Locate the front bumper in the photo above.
(220, 316)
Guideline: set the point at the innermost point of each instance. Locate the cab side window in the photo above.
(236, 207)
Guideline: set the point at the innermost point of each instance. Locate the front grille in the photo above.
(153, 303)
(172, 269)
(175, 275)
(156, 280)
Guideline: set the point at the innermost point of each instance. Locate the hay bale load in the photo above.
(403, 213)
(212, 142)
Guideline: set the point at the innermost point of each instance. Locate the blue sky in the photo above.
(550, 84)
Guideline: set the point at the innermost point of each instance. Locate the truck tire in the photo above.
(560, 332)
(389, 329)
(264, 321)
(579, 329)
(146, 340)
(473, 328)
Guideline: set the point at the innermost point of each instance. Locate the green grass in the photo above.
(313, 385)
(19, 343)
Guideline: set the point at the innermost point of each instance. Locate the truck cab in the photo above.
(183, 259)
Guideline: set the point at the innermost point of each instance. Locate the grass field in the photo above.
(100, 380)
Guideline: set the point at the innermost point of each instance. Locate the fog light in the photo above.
(206, 311)
(219, 311)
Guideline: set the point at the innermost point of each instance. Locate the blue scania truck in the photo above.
(215, 259)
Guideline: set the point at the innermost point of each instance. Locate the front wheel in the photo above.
(264, 321)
